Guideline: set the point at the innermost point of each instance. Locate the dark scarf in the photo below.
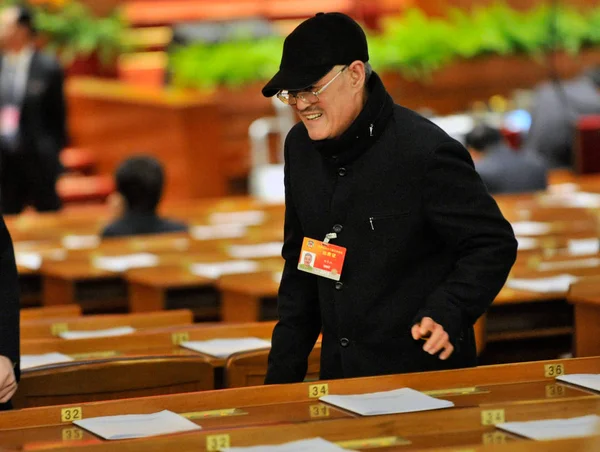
(364, 131)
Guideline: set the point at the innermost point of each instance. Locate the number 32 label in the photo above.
(71, 414)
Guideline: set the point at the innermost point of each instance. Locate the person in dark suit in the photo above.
(502, 169)
(33, 127)
(140, 183)
(556, 109)
(9, 319)
(427, 249)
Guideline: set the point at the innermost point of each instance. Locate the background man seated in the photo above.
(140, 183)
(502, 169)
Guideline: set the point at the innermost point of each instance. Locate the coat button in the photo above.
(344, 342)
(341, 172)
(339, 285)
(337, 228)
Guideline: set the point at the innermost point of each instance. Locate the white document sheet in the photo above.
(566, 265)
(270, 249)
(137, 425)
(126, 262)
(218, 231)
(305, 445)
(28, 259)
(80, 242)
(404, 400)
(29, 361)
(555, 428)
(118, 331)
(590, 381)
(530, 228)
(217, 269)
(247, 218)
(559, 283)
(579, 247)
(527, 243)
(223, 348)
(577, 199)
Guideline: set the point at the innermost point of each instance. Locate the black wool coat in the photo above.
(423, 237)
(9, 302)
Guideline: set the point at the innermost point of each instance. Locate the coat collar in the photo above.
(364, 131)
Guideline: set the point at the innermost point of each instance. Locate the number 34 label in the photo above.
(316, 391)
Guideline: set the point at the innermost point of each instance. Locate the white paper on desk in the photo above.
(247, 217)
(137, 425)
(559, 283)
(270, 249)
(555, 428)
(217, 269)
(565, 265)
(28, 259)
(576, 199)
(404, 400)
(80, 242)
(109, 332)
(531, 228)
(29, 361)
(218, 231)
(126, 262)
(304, 445)
(527, 243)
(578, 247)
(223, 348)
(590, 381)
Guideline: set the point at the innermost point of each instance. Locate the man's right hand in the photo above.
(8, 381)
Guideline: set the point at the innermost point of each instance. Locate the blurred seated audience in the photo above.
(556, 109)
(139, 182)
(502, 169)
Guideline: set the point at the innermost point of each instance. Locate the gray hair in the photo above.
(368, 71)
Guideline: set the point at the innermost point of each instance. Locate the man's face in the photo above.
(336, 109)
(11, 34)
(307, 259)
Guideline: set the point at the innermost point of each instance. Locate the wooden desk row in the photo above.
(483, 396)
(52, 327)
(250, 297)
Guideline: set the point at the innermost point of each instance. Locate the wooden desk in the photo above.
(585, 297)
(115, 120)
(495, 387)
(248, 297)
(50, 312)
(158, 341)
(415, 429)
(49, 328)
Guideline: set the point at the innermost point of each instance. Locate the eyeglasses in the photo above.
(308, 97)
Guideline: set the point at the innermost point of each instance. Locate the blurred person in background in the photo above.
(502, 169)
(556, 109)
(33, 127)
(9, 319)
(140, 182)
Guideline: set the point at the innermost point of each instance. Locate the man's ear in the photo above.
(357, 74)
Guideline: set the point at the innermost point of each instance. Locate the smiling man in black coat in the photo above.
(427, 249)
(9, 319)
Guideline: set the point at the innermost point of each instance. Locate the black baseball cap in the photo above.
(314, 48)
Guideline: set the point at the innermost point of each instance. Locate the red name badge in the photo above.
(322, 259)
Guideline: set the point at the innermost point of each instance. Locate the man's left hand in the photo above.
(437, 338)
